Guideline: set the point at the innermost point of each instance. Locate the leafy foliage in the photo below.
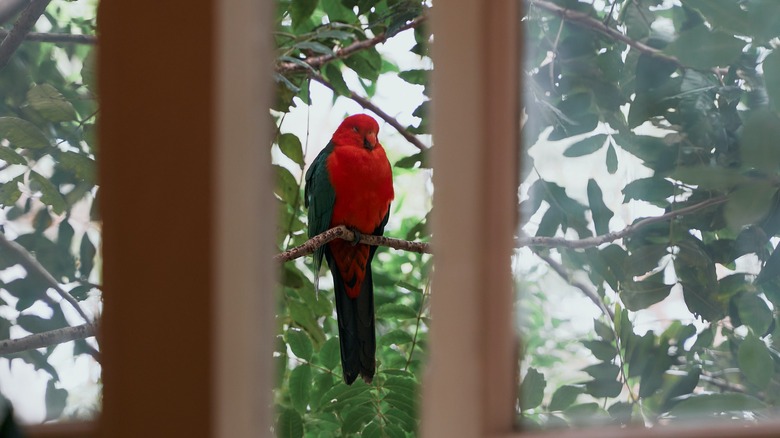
(694, 102)
(48, 113)
(310, 397)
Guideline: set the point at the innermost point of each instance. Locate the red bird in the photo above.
(350, 183)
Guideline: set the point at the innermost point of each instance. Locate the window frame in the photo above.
(476, 124)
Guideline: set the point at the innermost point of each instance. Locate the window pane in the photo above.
(49, 225)
(316, 91)
(647, 263)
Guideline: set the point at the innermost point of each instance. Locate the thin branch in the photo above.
(365, 103)
(58, 38)
(342, 232)
(317, 61)
(586, 289)
(591, 23)
(47, 339)
(33, 267)
(22, 27)
(560, 242)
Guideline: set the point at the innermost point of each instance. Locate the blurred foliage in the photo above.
(310, 398)
(48, 113)
(707, 127)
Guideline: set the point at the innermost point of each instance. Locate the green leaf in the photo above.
(586, 146)
(301, 10)
(702, 49)
(87, 252)
(50, 195)
(723, 14)
(710, 177)
(289, 424)
(299, 343)
(397, 337)
(564, 397)
(314, 46)
(286, 185)
(652, 189)
(612, 160)
(603, 350)
(10, 156)
(329, 353)
(22, 134)
(416, 76)
(50, 103)
(356, 417)
(755, 361)
(700, 405)
(394, 311)
(758, 143)
(772, 77)
(601, 213)
(603, 330)
(603, 388)
(333, 74)
(754, 312)
(83, 167)
(532, 389)
(638, 295)
(55, 400)
(748, 204)
(300, 387)
(603, 371)
(366, 64)
(290, 146)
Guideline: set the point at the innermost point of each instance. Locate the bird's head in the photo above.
(359, 130)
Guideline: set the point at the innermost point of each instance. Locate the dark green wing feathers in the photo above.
(319, 197)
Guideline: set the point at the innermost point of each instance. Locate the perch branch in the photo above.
(342, 232)
(316, 61)
(65, 38)
(22, 27)
(33, 267)
(591, 23)
(586, 289)
(47, 339)
(560, 242)
(365, 103)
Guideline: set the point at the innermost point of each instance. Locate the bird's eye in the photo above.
(354, 128)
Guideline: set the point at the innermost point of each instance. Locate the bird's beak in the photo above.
(369, 142)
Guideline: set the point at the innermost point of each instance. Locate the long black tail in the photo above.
(357, 334)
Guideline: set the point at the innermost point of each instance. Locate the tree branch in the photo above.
(560, 242)
(33, 267)
(342, 232)
(365, 103)
(591, 23)
(21, 28)
(66, 38)
(316, 61)
(47, 339)
(586, 289)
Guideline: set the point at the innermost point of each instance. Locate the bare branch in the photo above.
(585, 288)
(47, 339)
(591, 23)
(342, 232)
(22, 27)
(365, 103)
(59, 38)
(560, 242)
(33, 267)
(316, 61)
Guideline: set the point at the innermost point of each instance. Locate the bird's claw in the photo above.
(358, 235)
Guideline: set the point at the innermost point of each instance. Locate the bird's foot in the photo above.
(357, 234)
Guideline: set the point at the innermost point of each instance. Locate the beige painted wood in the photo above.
(244, 289)
(469, 385)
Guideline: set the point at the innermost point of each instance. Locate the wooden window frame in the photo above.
(175, 239)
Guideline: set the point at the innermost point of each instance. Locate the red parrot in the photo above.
(350, 183)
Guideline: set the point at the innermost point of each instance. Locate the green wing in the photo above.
(319, 197)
